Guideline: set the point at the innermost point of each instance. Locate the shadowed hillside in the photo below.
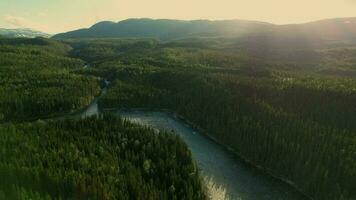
(168, 29)
(251, 34)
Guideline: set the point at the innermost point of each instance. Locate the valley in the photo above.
(225, 176)
(222, 115)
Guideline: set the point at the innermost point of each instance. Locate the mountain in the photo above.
(24, 33)
(324, 32)
(165, 29)
(330, 32)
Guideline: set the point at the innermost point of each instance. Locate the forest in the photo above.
(37, 79)
(288, 112)
(101, 157)
(301, 134)
(292, 118)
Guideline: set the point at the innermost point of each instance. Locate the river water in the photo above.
(225, 175)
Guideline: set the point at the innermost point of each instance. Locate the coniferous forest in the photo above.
(290, 113)
(286, 128)
(33, 72)
(101, 157)
(292, 119)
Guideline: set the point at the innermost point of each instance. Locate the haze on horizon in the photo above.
(54, 16)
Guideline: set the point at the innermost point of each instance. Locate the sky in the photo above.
(55, 16)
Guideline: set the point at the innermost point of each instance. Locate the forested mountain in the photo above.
(319, 34)
(174, 109)
(288, 111)
(324, 32)
(167, 29)
(22, 33)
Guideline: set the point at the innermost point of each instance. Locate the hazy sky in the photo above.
(55, 16)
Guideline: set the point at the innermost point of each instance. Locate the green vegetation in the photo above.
(37, 79)
(301, 130)
(100, 157)
(288, 117)
(289, 111)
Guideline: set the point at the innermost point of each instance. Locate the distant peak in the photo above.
(22, 32)
(103, 23)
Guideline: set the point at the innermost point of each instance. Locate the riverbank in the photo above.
(226, 174)
(218, 164)
(246, 161)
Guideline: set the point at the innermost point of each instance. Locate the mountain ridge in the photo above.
(163, 28)
(337, 30)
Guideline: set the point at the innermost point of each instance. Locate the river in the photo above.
(226, 176)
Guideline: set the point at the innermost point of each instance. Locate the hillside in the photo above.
(318, 34)
(340, 31)
(22, 33)
(165, 29)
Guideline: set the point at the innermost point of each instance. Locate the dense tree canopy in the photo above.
(288, 111)
(95, 158)
(101, 157)
(292, 117)
(299, 129)
(37, 79)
